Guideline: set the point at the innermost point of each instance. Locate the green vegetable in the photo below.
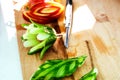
(44, 50)
(36, 30)
(28, 36)
(57, 69)
(38, 37)
(30, 43)
(41, 45)
(23, 25)
(46, 28)
(43, 36)
(36, 24)
(91, 75)
(27, 26)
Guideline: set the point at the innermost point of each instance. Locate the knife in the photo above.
(68, 21)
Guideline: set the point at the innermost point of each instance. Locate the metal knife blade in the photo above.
(68, 21)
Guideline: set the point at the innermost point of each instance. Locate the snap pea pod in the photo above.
(57, 69)
(41, 45)
(44, 50)
(90, 75)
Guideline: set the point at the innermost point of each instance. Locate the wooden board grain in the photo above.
(98, 28)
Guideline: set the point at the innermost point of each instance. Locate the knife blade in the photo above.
(68, 21)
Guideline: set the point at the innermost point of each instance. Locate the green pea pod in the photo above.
(41, 45)
(44, 50)
(90, 75)
(57, 69)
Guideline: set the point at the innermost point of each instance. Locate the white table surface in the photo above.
(10, 67)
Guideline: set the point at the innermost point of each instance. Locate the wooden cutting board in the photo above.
(95, 33)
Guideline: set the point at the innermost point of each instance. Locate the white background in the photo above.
(10, 68)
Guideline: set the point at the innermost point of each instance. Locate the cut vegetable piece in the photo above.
(39, 37)
(47, 41)
(30, 26)
(23, 25)
(36, 30)
(37, 24)
(30, 43)
(91, 75)
(60, 69)
(44, 50)
(45, 28)
(28, 36)
(43, 36)
(37, 48)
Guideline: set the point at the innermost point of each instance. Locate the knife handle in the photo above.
(68, 13)
(69, 2)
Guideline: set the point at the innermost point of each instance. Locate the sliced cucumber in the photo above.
(36, 30)
(43, 36)
(36, 48)
(28, 36)
(41, 45)
(30, 43)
